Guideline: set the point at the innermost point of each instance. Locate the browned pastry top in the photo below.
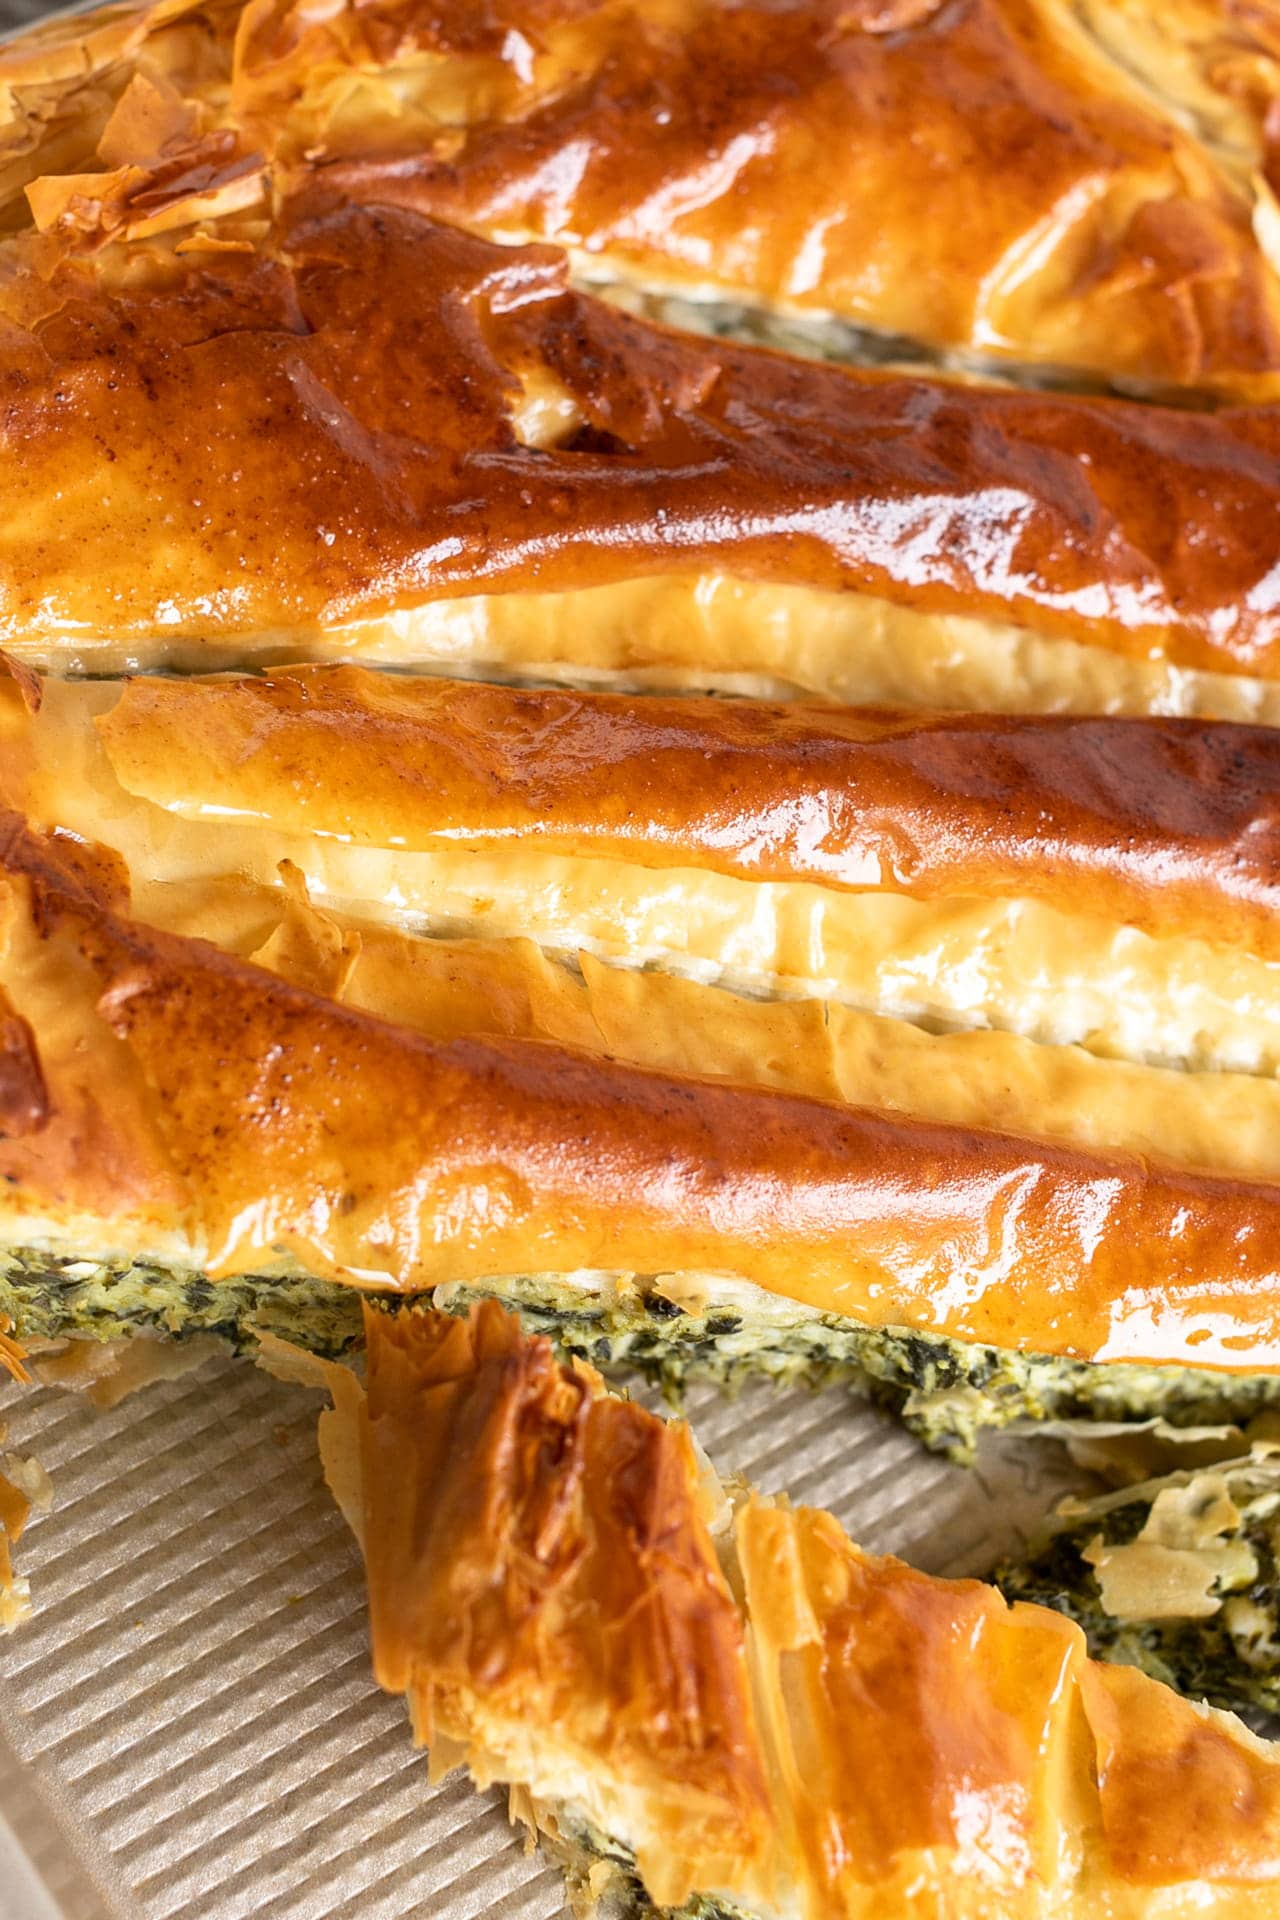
(274, 442)
(588, 1594)
(973, 174)
(186, 1088)
(1077, 187)
(1169, 824)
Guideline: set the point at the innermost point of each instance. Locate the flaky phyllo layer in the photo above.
(277, 384)
(1103, 883)
(722, 1704)
(900, 1043)
(757, 161)
(697, 1151)
(804, 1123)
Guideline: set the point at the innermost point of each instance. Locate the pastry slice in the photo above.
(991, 181)
(846, 180)
(192, 1136)
(237, 434)
(719, 1704)
(1109, 884)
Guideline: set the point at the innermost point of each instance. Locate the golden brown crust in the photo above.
(956, 1706)
(345, 394)
(116, 104)
(445, 988)
(545, 1548)
(264, 1107)
(163, 325)
(1056, 973)
(911, 1738)
(763, 153)
(1183, 1796)
(1050, 211)
(449, 987)
(95, 1155)
(1169, 825)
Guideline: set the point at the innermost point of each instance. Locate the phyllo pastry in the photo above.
(1216, 63)
(1072, 191)
(1108, 883)
(1002, 181)
(246, 435)
(667, 1174)
(720, 1704)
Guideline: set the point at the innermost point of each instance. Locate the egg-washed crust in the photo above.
(1067, 974)
(1169, 825)
(1058, 214)
(344, 384)
(544, 1589)
(588, 1593)
(676, 1328)
(198, 1102)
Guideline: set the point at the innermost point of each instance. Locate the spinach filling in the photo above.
(1220, 1640)
(580, 1848)
(50, 1297)
(945, 1391)
(815, 336)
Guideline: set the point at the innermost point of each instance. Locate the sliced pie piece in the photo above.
(188, 1120)
(351, 431)
(983, 178)
(722, 1704)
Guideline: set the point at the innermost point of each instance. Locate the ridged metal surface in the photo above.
(191, 1728)
(16, 14)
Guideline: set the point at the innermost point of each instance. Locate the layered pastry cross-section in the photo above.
(348, 430)
(721, 1705)
(1104, 883)
(663, 1168)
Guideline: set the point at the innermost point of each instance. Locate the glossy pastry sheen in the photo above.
(980, 176)
(204, 787)
(1169, 825)
(981, 890)
(325, 437)
(1007, 179)
(820, 1733)
(57, 1282)
(212, 1113)
(469, 464)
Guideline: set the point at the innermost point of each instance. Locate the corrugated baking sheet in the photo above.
(188, 1725)
(17, 15)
